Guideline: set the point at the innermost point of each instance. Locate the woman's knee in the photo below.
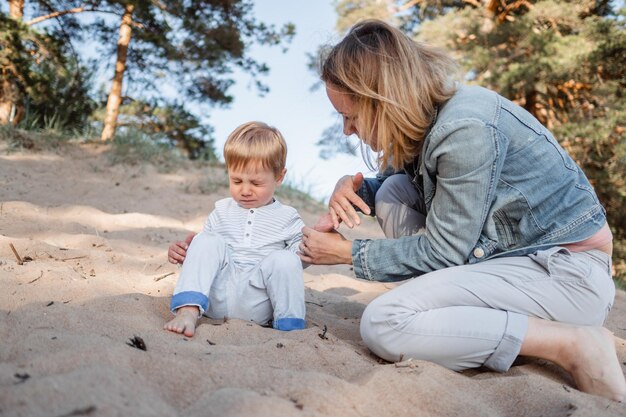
(393, 191)
(399, 207)
(379, 328)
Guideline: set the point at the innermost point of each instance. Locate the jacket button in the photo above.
(479, 253)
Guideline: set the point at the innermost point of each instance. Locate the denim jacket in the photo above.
(495, 183)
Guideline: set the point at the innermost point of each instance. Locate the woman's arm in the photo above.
(462, 160)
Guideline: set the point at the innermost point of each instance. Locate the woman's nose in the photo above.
(348, 128)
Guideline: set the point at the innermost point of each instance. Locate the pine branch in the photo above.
(58, 14)
(75, 10)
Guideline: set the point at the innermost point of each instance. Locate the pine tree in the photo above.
(191, 46)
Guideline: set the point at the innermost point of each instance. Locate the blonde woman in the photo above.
(502, 237)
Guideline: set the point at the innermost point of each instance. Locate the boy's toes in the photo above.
(189, 331)
(172, 327)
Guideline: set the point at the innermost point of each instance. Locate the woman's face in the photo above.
(345, 105)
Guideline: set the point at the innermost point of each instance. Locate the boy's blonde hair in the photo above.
(256, 143)
(396, 83)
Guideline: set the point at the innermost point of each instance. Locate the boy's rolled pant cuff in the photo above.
(289, 323)
(510, 345)
(189, 298)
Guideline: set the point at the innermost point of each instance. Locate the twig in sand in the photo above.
(406, 364)
(17, 255)
(311, 302)
(323, 334)
(160, 277)
(40, 275)
(73, 258)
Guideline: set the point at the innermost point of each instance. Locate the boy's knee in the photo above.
(204, 239)
(283, 260)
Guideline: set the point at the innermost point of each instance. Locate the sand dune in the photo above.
(96, 279)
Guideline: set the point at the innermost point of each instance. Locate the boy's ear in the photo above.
(281, 177)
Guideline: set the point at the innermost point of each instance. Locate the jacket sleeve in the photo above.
(463, 158)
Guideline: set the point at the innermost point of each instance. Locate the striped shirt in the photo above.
(252, 234)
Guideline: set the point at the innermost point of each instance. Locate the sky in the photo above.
(299, 113)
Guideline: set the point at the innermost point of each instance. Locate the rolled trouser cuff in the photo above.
(510, 345)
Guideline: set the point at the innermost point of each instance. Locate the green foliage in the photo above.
(42, 77)
(599, 146)
(134, 147)
(50, 137)
(169, 124)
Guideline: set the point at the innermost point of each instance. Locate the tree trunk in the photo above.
(16, 9)
(115, 96)
(11, 107)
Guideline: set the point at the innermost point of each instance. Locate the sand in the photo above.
(96, 277)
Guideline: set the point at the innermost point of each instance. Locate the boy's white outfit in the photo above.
(244, 265)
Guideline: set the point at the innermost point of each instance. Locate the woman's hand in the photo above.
(178, 250)
(320, 248)
(343, 198)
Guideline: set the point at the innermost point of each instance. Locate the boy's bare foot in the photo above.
(592, 361)
(184, 322)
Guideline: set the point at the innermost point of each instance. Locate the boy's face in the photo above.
(253, 186)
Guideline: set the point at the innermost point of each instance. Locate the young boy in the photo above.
(243, 264)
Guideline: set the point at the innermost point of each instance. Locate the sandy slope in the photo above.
(97, 235)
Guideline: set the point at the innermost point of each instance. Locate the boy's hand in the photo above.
(178, 250)
(324, 224)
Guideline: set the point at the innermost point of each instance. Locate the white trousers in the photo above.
(273, 290)
(473, 315)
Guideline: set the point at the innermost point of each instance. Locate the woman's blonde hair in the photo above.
(397, 85)
(256, 143)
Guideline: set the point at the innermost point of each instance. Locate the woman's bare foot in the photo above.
(184, 322)
(587, 353)
(592, 361)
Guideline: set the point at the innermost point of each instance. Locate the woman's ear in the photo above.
(281, 177)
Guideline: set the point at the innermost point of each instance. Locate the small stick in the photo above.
(160, 277)
(71, 259)
(311, 302)
(40, 275)
(17, 256)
